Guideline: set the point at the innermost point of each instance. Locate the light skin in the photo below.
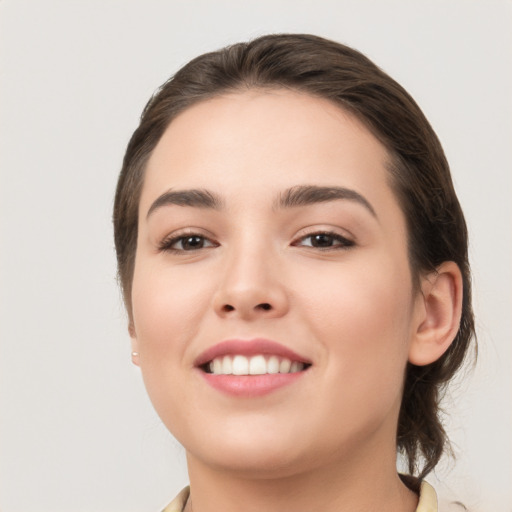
(256, 266)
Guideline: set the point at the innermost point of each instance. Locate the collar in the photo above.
(427, 502)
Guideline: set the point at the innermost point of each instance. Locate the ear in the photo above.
(438, 316)
(135, 344)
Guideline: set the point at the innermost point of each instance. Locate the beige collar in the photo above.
(427, 503)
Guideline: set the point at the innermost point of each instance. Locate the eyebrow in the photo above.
(300, 195)
(303, 195)
(196, 198)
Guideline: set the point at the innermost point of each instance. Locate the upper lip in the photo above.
(252, 347)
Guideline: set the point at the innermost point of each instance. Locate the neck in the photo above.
(359, 484)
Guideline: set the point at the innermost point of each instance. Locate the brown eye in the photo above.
(185, 243)
(322, 240)
(191, 243)
(325, 241)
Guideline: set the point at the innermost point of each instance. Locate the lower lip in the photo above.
(251, 385)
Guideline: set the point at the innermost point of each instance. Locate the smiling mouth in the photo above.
(258, 364)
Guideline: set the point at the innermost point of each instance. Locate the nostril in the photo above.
(265, 306)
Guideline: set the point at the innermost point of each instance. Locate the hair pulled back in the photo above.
(419, 176)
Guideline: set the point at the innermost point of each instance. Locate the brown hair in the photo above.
(419, 173)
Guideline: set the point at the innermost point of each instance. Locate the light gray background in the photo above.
(77, 430)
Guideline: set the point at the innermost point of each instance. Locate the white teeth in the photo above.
(273, 364)
(240, 365)
(217, 365)
(227, 365)
(284, 366)
(255, 365)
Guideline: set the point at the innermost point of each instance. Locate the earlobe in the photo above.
(441, 307)
(135, 344)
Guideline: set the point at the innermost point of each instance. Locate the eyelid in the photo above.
(165, 245)
(346, 242)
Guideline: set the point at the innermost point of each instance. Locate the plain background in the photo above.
(77, 430)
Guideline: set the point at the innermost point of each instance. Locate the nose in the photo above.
(251, 287)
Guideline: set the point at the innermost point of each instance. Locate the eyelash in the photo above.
(343, 242)
(167, 243)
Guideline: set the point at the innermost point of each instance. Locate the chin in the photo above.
(252, 462)
(251, 452)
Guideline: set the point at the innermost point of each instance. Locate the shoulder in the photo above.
(178, 503)
(428, 498)
(429, 501)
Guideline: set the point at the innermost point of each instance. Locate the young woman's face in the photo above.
(271, 243)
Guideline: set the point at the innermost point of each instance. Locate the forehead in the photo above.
(266, 140)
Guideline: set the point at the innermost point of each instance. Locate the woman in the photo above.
(294, 264)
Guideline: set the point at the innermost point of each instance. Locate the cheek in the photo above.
(359, 296)
(167, 308)
(363, 318)
(167, 312)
